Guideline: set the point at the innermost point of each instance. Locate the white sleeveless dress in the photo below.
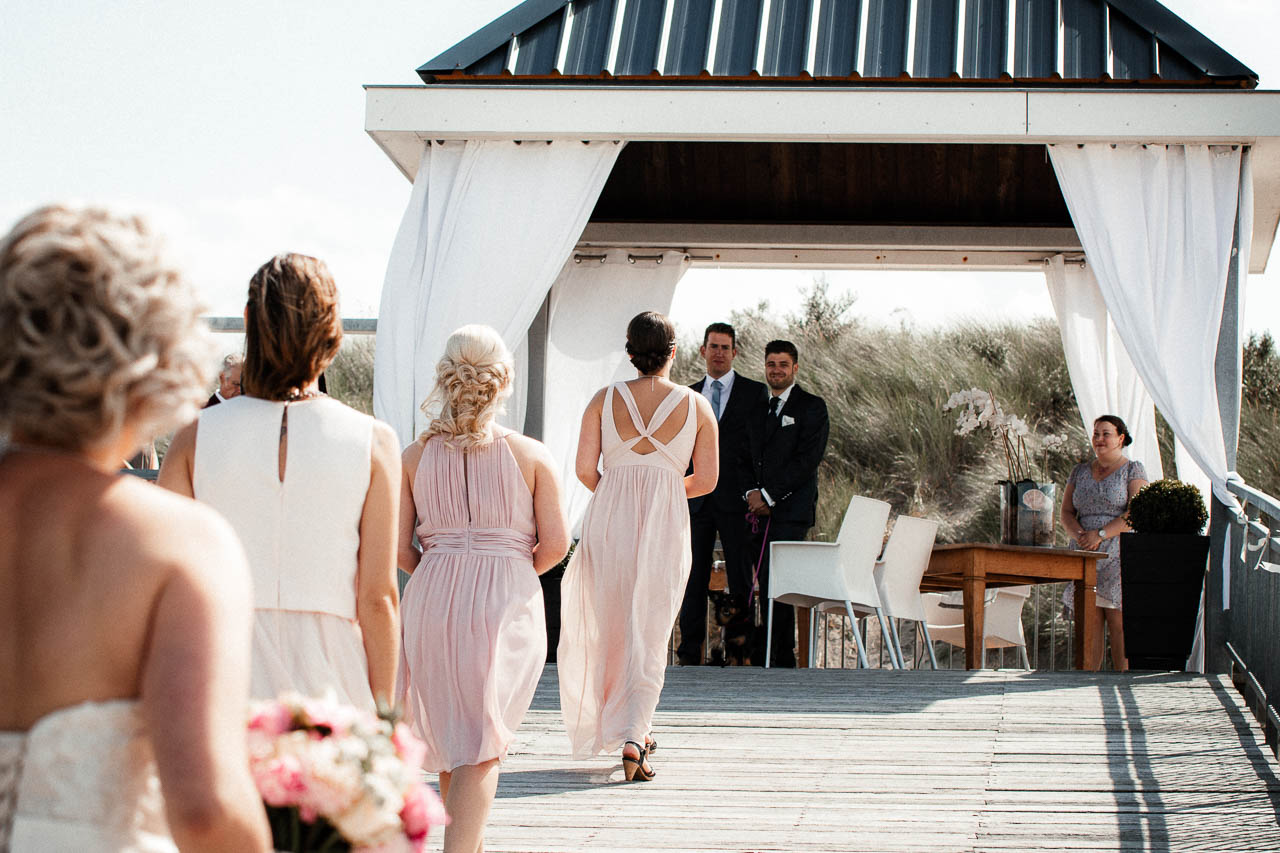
(83, 778)
(302, 535)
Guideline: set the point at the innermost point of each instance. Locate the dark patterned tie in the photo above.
(773, 406)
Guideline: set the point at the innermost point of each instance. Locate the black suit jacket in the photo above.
(745, 396)
(783, 460)
(213, 401)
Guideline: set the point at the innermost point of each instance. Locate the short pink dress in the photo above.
(624, 584)
(474, 631)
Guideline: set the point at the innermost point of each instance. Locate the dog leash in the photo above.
(754, 521)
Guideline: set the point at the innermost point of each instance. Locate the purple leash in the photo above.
(754, 520)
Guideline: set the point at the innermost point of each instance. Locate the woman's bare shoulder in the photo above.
(525, 448)
(412, 455)
(155, 529)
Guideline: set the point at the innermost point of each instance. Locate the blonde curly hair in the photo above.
(472, 380)
(97, 329)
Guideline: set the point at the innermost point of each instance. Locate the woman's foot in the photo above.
(635, 767)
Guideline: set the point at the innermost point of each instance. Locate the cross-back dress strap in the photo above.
(656, 422)
(659, 416)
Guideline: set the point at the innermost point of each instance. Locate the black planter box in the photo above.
(1161, 575)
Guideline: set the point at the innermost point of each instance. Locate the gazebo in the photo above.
(572, 159)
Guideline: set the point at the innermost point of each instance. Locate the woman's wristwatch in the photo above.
(1102, 533)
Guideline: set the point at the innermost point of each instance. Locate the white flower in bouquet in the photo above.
(337, 778)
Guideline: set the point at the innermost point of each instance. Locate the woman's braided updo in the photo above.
(472, 380)
(650, 341)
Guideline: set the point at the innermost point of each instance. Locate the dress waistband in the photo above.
(480, 541)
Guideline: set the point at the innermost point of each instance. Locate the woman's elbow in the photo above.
(702, 486)
(407, 559)
(211, 823)
(555, 547)
(377, 604)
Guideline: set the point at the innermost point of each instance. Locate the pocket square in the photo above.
(787, 420)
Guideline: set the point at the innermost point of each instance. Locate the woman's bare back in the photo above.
(86, 555)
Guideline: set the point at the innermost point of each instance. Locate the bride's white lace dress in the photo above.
(82, 778)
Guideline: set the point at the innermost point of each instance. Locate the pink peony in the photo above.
(338, 718)
(280, 781)
(271, 718)
(421, 813)
(411, 750)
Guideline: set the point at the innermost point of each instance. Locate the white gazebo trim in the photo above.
(400, 119)
(841, 246)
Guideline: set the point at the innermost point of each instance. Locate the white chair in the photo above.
(898, 577)
(1001, 622)
(809, 574)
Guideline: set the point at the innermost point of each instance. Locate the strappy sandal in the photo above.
(651, 745)
(634, 769)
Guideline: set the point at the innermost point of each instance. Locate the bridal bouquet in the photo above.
(336, 778)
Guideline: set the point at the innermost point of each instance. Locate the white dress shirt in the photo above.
(782, 404)
(726, 385)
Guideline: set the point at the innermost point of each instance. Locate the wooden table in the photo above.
(974, 566)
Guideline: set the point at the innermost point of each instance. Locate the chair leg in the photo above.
(857, 638)
(813, 616)
(897, 642)
(929, 642)
(768, 635)
(884, 635)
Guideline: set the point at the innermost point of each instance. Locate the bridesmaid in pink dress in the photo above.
(483, 503)
(623, 586)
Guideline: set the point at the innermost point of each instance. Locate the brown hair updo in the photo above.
(97, 329)
(292, 326)
(650, 341)
(472, 380)
(1121, 429)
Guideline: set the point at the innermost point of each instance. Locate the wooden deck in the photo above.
(871, 760)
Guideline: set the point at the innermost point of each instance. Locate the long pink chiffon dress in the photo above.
(474, 631)
(623, 587)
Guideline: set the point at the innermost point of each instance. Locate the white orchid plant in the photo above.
(979, 409)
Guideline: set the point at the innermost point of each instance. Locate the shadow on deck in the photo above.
(841, 760)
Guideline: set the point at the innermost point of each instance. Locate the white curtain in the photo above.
(1156, 223)
(1102, 376)
(591, 304)
(488, 227)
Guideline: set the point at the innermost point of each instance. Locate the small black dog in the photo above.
(737, 630)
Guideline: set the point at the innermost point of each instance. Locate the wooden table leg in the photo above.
(1086, 595)
(975, 595)
(803, 615)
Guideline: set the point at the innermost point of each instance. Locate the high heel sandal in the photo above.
(651, 746)
(634, 769)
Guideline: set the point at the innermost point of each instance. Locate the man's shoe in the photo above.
(686, 660)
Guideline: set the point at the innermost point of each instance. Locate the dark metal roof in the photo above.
(1004, 42)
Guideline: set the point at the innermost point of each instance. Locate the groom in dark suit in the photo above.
(786, 439)
(732, 397)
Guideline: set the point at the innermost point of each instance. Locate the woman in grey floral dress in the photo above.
(1093, 514)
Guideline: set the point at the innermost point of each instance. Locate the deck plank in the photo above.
(840, 760)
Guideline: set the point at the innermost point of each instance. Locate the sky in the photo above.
(237, 128)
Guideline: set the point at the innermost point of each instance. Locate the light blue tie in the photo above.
(715, 396)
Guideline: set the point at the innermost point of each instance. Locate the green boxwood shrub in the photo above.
(1167, 506)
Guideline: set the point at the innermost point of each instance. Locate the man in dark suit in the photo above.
(228, 381)
(786, 439)
(731, 396)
